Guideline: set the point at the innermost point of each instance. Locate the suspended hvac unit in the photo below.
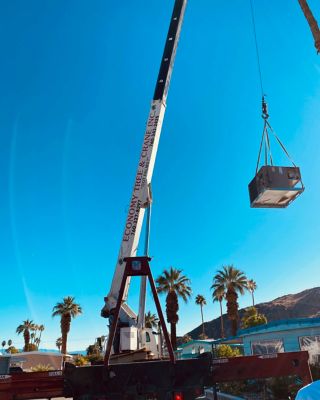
(273, 186)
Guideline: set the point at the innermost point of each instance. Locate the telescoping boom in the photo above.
(141, 197)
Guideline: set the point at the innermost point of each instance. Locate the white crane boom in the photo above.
(140, 198)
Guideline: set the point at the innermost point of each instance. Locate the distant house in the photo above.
(31, 359)
(275, 337)
(283, 336)
(193, 348)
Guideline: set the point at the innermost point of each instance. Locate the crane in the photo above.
(141, 194)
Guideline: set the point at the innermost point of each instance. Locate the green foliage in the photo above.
(252, 318)
(283, 387)
(12, 350)
(186, 339)
(203, 336)
(175, 285)
(80, 361)
(42, 368)
(225, 351)
(59, 343)
(66, 310)
(30, 347)
(230, 281)
(151, 320)
(94, 357)
(93, 349)
(200, 300)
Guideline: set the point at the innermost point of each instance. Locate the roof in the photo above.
(39, 353)
(230, 341)
(281, 325)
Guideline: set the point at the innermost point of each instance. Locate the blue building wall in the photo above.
(289, 331)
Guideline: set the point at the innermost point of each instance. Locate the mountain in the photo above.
(305, 304)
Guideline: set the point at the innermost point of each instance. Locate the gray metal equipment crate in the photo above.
(275, 187)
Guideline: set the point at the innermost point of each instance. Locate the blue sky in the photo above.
(76, 84)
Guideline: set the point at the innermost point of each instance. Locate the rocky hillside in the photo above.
(300, 305)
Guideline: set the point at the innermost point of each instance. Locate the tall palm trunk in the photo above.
(232, 310)
(312, 23)
(65, 328)
(202, 319)
(173, 335)
(252, 291)
(172, 308)
(221, 320)
(26, 336)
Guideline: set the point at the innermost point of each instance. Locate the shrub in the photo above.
(225, 351)
(80, 360)
(42, 368)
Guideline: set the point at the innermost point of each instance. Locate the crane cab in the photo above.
(275, 187)
(132, 340)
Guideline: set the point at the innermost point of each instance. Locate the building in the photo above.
(283, 336)
(275, 337)
(193, 348)
(32, 359)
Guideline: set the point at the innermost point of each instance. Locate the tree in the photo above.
(232, 281)
(3, 344)
(93, 349)
(186, 339)
(252, 287)
(175, 285)
(59, 343)
(66, 310)
(226, 351)
(25, 328)
(12, 350)
(219, 295)
(41, 328)
(201, 301)
(9, 342)
(253, 318)
(151, 320)
(312, 23)
(203, 336)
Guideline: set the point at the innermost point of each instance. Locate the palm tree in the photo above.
(251, 286)
(219, 295)
(25, 328)
(41, 328)
(151, 320)
(59, 343)
(201, 301)
(175, 285)
(232, 281)
(67, 309)
(312, 23)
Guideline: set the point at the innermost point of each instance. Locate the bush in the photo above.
(94, 358)
(42, 368)
(203, 336)
(80, 360)
(12, 350)
(186, 339)
(252, 318)
(30, 347)
(225, 351)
